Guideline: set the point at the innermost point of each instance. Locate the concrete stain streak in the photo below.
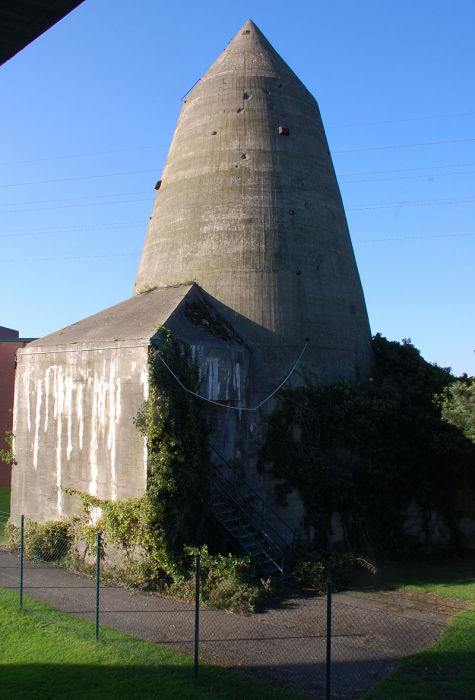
(26, 386)
(39, 394)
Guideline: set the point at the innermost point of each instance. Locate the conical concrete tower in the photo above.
(249, 208)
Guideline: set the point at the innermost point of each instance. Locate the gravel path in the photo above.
(285, 644)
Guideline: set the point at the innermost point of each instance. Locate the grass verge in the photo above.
(48, 654)
(451, 577)
(447, 668)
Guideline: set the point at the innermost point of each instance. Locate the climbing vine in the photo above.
(177, 433)
(369, 449)
(7, 454)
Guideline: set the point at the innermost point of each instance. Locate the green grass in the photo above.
(45, 653)
(452, 577)
(4, 510)
(447, 668)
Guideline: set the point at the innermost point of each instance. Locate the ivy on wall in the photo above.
(369, 449)
(177, 433)
(6, 455)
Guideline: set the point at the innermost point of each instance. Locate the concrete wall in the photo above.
(74, 426)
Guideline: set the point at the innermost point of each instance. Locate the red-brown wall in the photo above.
(9, 344)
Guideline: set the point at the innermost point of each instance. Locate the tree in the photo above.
(457, 402)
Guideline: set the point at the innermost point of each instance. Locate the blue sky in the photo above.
(89, 110)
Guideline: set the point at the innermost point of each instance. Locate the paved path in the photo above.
(284, 644)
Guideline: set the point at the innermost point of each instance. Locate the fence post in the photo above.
(22, 531)
(197, 609)
(329, 641)
(98, 575)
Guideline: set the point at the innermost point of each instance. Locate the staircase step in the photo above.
(233, 515)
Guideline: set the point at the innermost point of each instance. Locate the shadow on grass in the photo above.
(430, 674)
(131, 680)
(457, 570)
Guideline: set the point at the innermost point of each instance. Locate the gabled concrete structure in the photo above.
(247, 256)
(79, 391)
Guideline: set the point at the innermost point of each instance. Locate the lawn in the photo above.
(4, 510)
(447, 668)
(451, 577)
(49, 654)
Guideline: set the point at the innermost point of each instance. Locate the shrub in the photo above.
(13, 533)
(368, 450)
(225, 581)
(50, 541)
(336, 568)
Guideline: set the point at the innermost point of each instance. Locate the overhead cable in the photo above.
(225, 405)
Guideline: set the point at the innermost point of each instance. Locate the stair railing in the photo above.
(247, 519)
(247, 495)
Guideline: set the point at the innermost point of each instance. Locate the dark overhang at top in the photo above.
(22, 21)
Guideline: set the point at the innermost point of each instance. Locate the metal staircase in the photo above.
(250, 521)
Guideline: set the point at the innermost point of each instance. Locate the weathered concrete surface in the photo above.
(249, 209)
(255, 217)
(78, 391)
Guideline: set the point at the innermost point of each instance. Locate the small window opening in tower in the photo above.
(245, 96)
(246, 31)
(284, 130)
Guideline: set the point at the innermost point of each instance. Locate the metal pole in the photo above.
(197, 609)
(98, 575)
(22, 531)
(329, 640)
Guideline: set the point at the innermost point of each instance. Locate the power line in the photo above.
(166, 145)
(73, 206)
(355, 241)
(403, 145)
(78, 199)
(130, 224)
(401, 121)
(79, 177)
(406, 177)
(84, 155)
(70, 257)
(69, 229)
(411, 203)
(415, 238)
(136, 172)
(408, 170)
(143, 192)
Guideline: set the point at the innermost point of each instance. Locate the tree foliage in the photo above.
(368, 449)
(457, 402)
(7, 454)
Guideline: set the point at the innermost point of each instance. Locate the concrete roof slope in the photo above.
(133, 319)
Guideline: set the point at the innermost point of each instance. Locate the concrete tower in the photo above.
(247, 255)
(249, 208)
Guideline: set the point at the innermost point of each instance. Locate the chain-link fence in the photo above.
(321, 645)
